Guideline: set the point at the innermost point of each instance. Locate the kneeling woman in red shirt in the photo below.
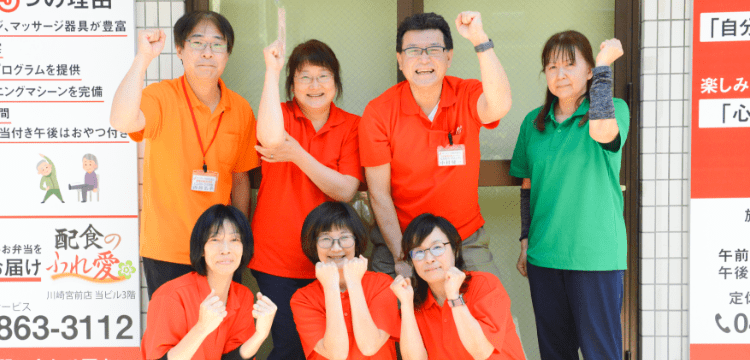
(348, 312)
(203, 314)
(459, 315)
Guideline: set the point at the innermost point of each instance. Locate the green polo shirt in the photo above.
(576, 202)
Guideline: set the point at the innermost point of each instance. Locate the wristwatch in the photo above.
(484, 46)
(457, 302)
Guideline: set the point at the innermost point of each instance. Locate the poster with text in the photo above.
(69, 271)
(720, 181)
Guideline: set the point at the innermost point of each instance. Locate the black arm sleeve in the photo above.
(525, 213)
(613, 145)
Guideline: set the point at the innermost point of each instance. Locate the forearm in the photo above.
(411, 344)
(470, 333)
(367, 335)
(387, 220)
(241, 192)
(125, 115)
(335, 342)
(495, 101)
(602, 123)
(251, 346)
(186, 348)
(336, 185)
(270, 127)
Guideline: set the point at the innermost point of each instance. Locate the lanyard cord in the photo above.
(197, 132)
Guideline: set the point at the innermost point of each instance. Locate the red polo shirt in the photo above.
(287, 195)
(395, 130)
(309, 308)
(173, 311)
(489, 304)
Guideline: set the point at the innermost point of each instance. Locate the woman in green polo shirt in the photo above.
(573, 244)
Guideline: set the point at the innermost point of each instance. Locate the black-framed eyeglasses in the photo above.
(436, 250)
(432, 51)
(199, 45)
(345, 241)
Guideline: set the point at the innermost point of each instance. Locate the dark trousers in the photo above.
(577, 309)
(286, 342)
(159, 272)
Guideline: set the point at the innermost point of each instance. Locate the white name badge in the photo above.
(204, 181)
(454, 155)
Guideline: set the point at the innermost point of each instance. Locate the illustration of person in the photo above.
(49, 178)
(90, 183)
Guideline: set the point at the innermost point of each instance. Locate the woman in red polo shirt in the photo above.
(203, 314)
(310, 154)
(449, 313)
(348, 312)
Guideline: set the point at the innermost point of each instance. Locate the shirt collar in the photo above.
(409, 105)
(430, 301)
(580, 111)
(204, 289)
(224, 102)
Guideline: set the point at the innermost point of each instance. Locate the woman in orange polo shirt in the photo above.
(310, 153)
(348, 312)
(204, 314)
(459, 315)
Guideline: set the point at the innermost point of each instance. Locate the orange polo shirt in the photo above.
(309, 308)
(489, 304)
(395, 130)
(174, 309)
(170, 208)
(287, 195)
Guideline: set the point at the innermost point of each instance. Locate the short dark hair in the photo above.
(326, 217)
(313, 52)
(187, 23)
(418, 230)
(209, 224)
(424, 21)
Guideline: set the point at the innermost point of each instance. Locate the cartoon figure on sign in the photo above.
(49, 179)
(91, 179)
(9, 5)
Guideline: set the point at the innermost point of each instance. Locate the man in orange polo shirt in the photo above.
(419, 140)
(199, 139)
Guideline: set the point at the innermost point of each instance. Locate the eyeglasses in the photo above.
(307, 79)
(436, 250)
(432, 51)
(345, 241)
(199, 45)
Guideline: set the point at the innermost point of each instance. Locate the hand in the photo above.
(609, 51)
(264, 311)
(47, 188)
(354, 270)
(521, 265)
(469, 25)
(403, 268)
(274, 53)
(403, 290)
(95, 190)
(453, 280)
(151, 42)
(327, 274)
(212, 312)
(289, 150)
(41, 155)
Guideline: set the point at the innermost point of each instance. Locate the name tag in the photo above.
(204, 181)
(454, 155)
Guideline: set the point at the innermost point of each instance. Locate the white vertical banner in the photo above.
(69, 273)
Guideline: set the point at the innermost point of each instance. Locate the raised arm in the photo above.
(126, 115)
(212, 313)
(335, 343)
(264, 311)
(469, 331)
(495, 101)
(270, 128)
(410, 342)
(367, 335)
(602, 124)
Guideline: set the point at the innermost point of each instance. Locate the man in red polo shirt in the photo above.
(419, 140)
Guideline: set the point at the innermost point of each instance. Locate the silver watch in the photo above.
(457, 302)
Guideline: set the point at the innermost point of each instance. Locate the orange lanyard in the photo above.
(197, 132)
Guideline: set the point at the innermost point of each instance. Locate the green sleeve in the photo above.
(519, 165)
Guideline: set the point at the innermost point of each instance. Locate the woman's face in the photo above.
(432, 268)
(566, 78)
(223, 250)
(314, 87)
(342, 245)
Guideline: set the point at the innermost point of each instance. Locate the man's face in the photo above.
(203, 64)
(89, 165)
(44, 169)
(424, 70)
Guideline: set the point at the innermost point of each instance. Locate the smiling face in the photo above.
(432, 268)
(314, 95)
(336, 253)
(89, 165)
(203, 64)
(223, 250)
(44, 169)
(424, 70)
(566, 77)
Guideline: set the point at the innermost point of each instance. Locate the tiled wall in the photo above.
(160, 14)
(665, 148)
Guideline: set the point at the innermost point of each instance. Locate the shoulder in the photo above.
(345, 117)
(376, 280)
(307, 293)
(482, 282)
(389, 97)
(236, 100)
(175, 289)
(459, 83)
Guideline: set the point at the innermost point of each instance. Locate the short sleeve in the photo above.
(374, 138)
(244, 325)
(247, 156)
(349, 162)
(475, 91)
(383, 306)
(166, 325)
(519, 165)
(152, 98)
(622, 116)
(310, 318)
(489, 303)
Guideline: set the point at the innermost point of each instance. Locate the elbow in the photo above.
(116, 123)
(271, 142)
(368, 349)
(603, 136)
